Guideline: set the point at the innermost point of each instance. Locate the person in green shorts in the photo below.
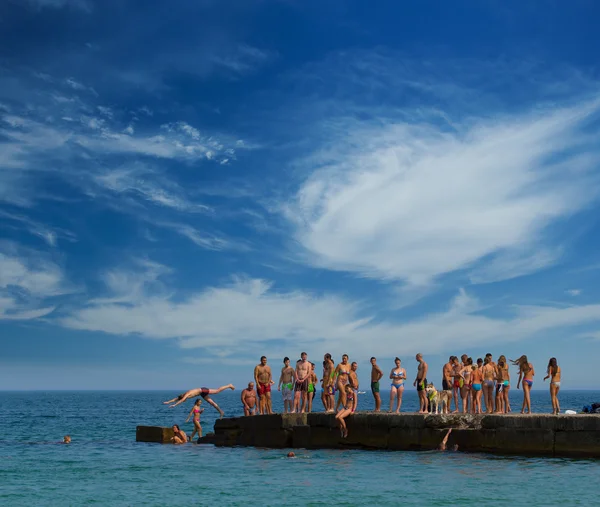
(286, 385)
(376, 375)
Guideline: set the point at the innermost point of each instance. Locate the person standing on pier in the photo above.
(312, 388)
(448, 379)
(328, 394)
(526, 372)
(421, 383)
(353, 381)
(476, 382)
(286, 385)
(248, 399)
(398, 377)
(263, 378)
(553, 374)
(342, 370)
(489, 377)
(376, 376)
(302, 380)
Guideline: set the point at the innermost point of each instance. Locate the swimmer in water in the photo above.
(196, 411)
(200, 391)
(66, 439)
(444, 445)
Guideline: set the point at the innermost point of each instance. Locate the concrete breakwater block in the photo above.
(156, 434)
(538, 434)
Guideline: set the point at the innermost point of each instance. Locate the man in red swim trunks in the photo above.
(264, 379)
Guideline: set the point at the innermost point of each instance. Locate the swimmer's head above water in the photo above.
(66, 439)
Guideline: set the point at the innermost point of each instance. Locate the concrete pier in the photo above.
(549, 435)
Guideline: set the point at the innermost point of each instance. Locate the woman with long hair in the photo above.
(505, 375)
(526, 373)
(476, 382)
(465, 390)
(489, 375)
(346, 410)
(398, 377)
(196, 411)
(501, 385)
(554, 374)
(342, 371)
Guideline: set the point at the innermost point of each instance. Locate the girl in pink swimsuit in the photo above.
(196, 411)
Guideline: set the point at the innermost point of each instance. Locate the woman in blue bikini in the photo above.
(526, 372)
(398, 376)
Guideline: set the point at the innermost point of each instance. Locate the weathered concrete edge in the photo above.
(538, 434)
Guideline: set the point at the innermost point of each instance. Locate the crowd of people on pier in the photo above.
(465, 384)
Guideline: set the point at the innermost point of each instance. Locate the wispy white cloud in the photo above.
(203, 239)
(243, 60)
(573, 292)
(27, 280)
(251, 312)
(413, 201)
(49, 234)
(143, 181)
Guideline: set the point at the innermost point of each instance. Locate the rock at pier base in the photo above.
(209, 438)
(155, 434)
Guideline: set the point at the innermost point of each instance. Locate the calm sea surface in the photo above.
(105, 466)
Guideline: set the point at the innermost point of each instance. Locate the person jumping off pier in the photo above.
(200, 391)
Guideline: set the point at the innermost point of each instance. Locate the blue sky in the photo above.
(185, 186)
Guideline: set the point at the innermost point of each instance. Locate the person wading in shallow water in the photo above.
(376, 376)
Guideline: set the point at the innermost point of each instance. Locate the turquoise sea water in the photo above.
(105, 466)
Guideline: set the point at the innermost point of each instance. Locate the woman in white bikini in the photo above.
(398, 377)
(554, 374)
(526, 372)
